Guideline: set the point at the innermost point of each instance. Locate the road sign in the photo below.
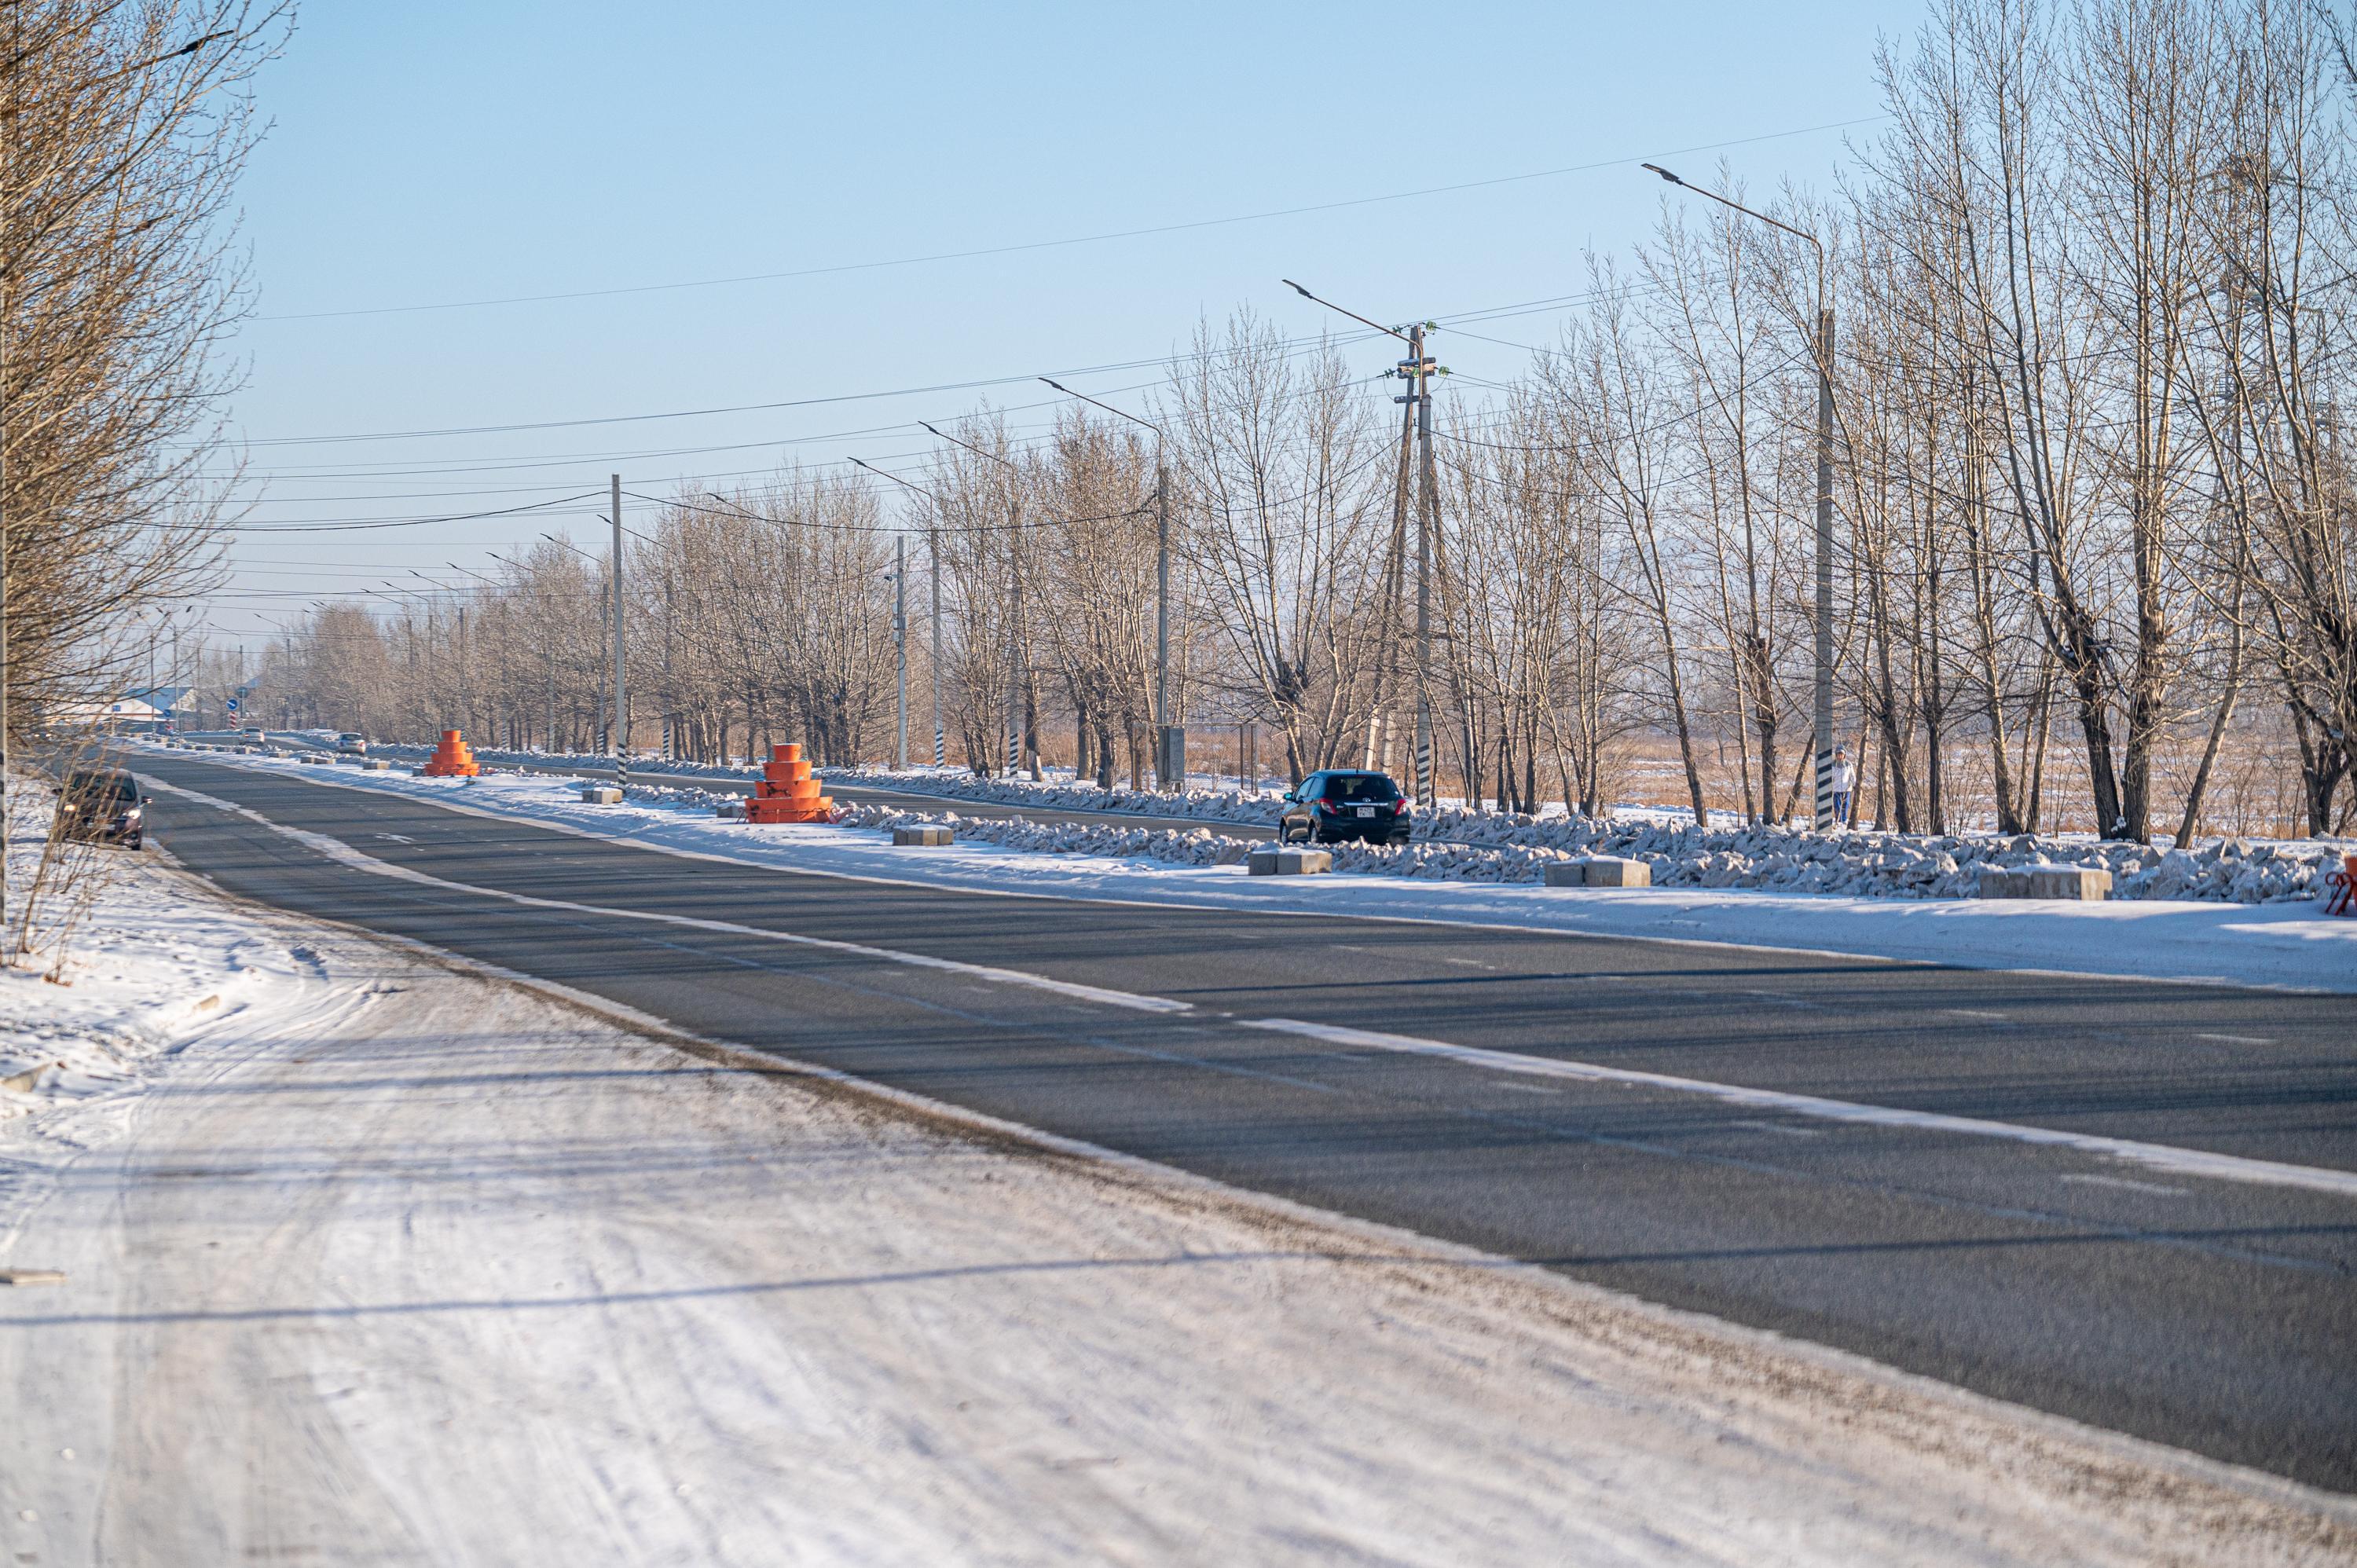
(234, 705)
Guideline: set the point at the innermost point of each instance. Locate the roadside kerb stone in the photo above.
(1291, 862)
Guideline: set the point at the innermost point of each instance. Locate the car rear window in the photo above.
(99, 786)
(1359, 787)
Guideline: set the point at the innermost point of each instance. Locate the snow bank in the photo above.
(1512, 847)
(145, 970)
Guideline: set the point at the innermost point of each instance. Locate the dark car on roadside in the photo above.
(102, 805)
(1344, 803)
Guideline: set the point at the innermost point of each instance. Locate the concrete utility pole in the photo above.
(1824, 803)
(1427, 521)
(1824, 355)
(618, 740)
(1015, 637)
(900, 646)
(941, 742)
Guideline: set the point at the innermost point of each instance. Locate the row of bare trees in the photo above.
(120, 147)
(2095, 508)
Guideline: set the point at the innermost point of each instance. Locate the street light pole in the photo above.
(1014, 670)
(901, 646)
(1824, 813)
(900, 624)
(618, 740)
(1170, 740)
(1417, 371)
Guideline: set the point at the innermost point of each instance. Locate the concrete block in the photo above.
(377, 765)
(600, 795)
(1566, 872)
(1614, 871)
(730, 810)
(2078, 883)
(313, 760)
(2004, 881)
(1289, 862)
(922, 835)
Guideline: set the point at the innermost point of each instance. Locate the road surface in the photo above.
(2213, 1315)
(850, 794)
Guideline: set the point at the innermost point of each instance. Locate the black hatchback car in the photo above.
(102, 805)
(1344, 803)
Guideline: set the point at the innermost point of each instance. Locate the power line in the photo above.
(1021, 247)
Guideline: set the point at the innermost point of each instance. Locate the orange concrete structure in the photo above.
(451, 760)
(786, 792)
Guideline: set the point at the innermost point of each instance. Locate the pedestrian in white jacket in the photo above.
(1844, 785)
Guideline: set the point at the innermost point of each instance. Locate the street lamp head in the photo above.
(1059, 386)
(1296, 289)
(1663, 172)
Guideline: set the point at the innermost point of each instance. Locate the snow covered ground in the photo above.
(2286, 943)
(1455, 843)
(385, 1262)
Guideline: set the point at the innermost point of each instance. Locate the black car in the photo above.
(102, 805)
(1344, 803)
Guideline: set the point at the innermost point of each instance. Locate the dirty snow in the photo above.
(329, 1300)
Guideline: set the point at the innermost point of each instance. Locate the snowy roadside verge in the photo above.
(1481, 846)
(639, 1305)
(2290, 944)
(148, 969)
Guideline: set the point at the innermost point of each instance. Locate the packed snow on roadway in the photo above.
(319, 1296)
(1492, 846)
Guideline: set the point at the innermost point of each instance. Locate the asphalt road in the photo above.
(856, 794)
(2217, 1315)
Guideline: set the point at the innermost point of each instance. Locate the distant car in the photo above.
(1344, 803)
(353, 745)
(102, 805)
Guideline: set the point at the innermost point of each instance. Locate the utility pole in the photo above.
(901, 646)
(1014, 636)
(619, 739)
(1170, 761)
(1427, 518)
(941, 744)
(1825, 802)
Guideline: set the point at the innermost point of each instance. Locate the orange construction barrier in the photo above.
(786, 792)
(2342, 899)
(451, 760)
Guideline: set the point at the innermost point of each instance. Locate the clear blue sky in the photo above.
(433, 151)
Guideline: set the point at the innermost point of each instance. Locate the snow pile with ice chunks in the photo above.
(1454, 844)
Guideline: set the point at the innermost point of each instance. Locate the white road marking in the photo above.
(1971, 1013)
(2124, 1183)
(344, 855)
(2237, 1040)
(1783, 1129)
(1469, 963)
(2154, 1156)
